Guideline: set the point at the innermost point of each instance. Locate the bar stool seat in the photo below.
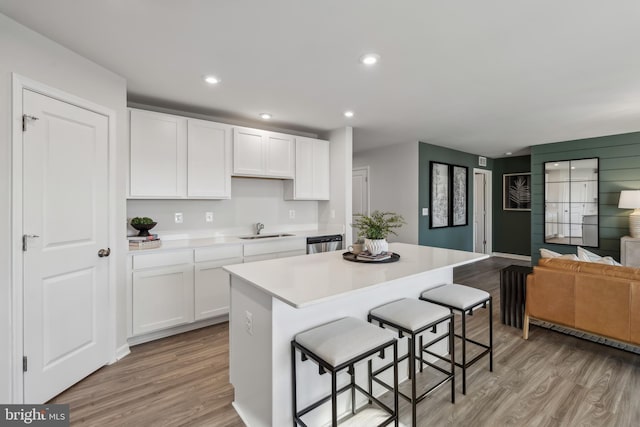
(464, 299)
(411, 314)
(337, 347)
(458, 296)
(414, 318)
(340, 341)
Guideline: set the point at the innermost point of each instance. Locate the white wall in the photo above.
(337, 212)
(393, 183)
(252, 200)
(33, 56)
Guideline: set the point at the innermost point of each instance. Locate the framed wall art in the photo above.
(448, 195)
(439, 195)
(459, 196)
(516, 192)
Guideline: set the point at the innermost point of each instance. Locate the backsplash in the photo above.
(252, 200)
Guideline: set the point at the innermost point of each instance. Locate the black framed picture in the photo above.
(516, 192)
(439, 196)
(459, 195)
(448, 195)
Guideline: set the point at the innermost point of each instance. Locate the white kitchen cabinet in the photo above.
(173, 157)
(158, 155)
(211, 287)
(162, 298)
(312, 171)
(262, 153)
(275, 249)
(208, 159)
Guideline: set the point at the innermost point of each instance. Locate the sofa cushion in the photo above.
(587, 256)
(547, 253)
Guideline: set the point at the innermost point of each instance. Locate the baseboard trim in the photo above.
(121, 352)
(152, 336)
(512, 256)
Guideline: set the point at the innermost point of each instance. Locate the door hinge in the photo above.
(26, 117)
(24, 363)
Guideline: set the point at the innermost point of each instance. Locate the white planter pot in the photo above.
(375, 246)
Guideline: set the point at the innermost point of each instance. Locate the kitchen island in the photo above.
(271, 301)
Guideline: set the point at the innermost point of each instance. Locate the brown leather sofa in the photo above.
(595, 298)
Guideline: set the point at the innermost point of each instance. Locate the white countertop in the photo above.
(193, 241)
(308, 279)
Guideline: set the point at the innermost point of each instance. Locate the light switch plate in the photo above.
(208, 216)
(178, 217)
(292, 213)
(425, 211)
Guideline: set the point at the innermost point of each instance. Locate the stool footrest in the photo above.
(474, 360)
(317, 404)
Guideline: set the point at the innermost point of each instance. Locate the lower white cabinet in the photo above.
(212, 288)
(162, 298)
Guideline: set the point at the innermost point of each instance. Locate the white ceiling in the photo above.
(484, 77)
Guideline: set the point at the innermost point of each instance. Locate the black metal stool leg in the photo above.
(464, 353)
(490, 334)
(412, 372)
(293, 385)
(395, 383)
(334, 399)
(453, 359)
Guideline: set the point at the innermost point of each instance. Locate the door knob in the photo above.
(104, 252)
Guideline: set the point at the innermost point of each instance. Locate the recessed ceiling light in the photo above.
(508, 153)
(556, 164)
(212, 80)
(348, 113)
(370, 59)
(265, 116)
(573, 167)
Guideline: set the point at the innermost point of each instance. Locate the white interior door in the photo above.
(360, 194)
(65, 210)
(479, 213)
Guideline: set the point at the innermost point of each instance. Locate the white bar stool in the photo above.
(414, 317)
(338, 346)
(464, 299)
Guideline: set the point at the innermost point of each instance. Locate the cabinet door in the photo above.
(208, 160)
(158, 155)
(304, 168)
(248, 152)
(162, 298)
(212, 288)
(280, 153)
(321, 170)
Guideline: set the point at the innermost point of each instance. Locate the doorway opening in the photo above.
(482, 214)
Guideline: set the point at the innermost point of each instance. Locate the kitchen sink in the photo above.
(264, 236)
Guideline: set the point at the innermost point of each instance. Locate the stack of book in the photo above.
(366, 256)
(144, 242)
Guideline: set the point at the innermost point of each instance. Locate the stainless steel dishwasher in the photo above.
(319, 244)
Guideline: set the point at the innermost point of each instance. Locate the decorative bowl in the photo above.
(144, 228)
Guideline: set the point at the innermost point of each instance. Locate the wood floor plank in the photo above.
(550, 380)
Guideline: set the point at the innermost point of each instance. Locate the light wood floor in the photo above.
(549, 380)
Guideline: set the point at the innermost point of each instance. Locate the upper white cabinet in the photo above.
(312, 171)
(158, 155)
(263, 154)
(174, 157)
(208, 159)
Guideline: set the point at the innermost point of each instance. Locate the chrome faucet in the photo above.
(259, 226)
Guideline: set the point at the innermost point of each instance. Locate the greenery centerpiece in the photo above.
(376, 227)
(143, 225)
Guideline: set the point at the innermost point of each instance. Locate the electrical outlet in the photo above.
(333, 213)
(292, 213)
(248, 322)
(208, 216)
(178, 218)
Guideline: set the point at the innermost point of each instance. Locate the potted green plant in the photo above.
(376, 227)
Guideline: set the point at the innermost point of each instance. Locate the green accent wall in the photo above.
(619, 170)
(449, 237)
(511, 229)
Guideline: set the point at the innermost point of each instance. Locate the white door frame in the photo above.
(488, 208)
(19, 83)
